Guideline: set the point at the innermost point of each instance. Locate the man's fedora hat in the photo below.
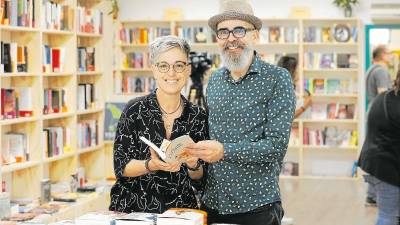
(235, 10)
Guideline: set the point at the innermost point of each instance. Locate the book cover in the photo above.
(45, 191)
(177, 216)
(171, 151)
(136, 218)
(274, 34)
(112, 112)
(290, 168)
(326, 34)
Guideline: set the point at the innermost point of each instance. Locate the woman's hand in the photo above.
(157, 164)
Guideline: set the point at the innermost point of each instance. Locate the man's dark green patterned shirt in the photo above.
(252, 117)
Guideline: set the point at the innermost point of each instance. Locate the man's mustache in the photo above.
(234, 44)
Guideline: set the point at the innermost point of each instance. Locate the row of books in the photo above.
(87, 133)
(89, 20)
(329, 34)
(86, 59)
(324, 111)
(274, 58)
(136, 60)
(54, 100)
(316, 60)
(134, 84)
(17, 13)
(16, 102)
(141, 35)
(14, 148)
(14, 57)
(53, 59)
(56, 141)
(330, 136)
(57, 16)
(329, 86)
(276, 34)
(196, 34)
(86, 96)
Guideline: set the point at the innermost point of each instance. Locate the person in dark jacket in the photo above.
(380, 154)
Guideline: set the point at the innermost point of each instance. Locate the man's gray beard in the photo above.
(235, 62)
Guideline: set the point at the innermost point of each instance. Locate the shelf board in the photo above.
(294, 147)
(108, 142)
(89, 35)
(18, 166)
(21, 74)
(18, 120)
(90, 149)
(386, 20)
(133, 45)
(278, 47)
(59, 157)
(57, 74)
(330, 148)
(57, 115)
(147, 22)
(135, 70)
(289, 177)
(89, 111)
(338, 70)
(335, 95)
(89, 73)
(318, 177)
(57, 32)
(18, 29)
(330, 44)
(330, 121)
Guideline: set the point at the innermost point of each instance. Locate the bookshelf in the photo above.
(47, 79)
(302, 38)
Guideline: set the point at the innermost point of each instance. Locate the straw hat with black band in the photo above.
(235, 10)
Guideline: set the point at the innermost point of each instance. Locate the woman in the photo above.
(144, 182)
(380, 154)
(290, 63)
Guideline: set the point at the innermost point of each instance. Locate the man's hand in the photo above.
(157, 164)
(209, 151)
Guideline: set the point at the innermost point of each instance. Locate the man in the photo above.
(378, 80)
(251, 105)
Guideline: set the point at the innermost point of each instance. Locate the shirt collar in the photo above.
(253, 69)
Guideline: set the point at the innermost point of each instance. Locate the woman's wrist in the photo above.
(147, 166)
(193, 167)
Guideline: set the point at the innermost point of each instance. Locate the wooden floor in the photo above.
(326, 202)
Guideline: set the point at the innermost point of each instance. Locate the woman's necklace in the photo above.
(167, 113)
(167, 121)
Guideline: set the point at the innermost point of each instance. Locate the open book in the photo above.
(171, 151)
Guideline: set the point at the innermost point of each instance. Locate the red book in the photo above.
(55, 56)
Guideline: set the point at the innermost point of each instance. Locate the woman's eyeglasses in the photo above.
(178, 67)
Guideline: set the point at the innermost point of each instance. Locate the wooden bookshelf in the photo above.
(38, 166)
(296, 45)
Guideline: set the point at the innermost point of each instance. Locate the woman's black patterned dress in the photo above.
(162, 190)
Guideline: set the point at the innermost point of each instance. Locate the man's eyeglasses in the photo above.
(178, 67)
(238, 32)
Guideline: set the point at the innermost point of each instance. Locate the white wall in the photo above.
(203, 9)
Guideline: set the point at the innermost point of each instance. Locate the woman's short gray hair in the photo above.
(165, 43)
